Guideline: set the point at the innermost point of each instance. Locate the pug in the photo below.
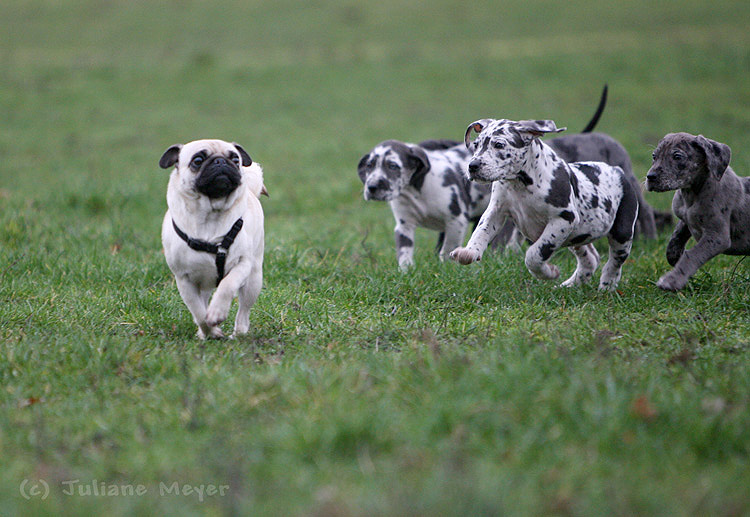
(213, 231)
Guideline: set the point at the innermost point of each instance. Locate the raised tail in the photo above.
(602, 102)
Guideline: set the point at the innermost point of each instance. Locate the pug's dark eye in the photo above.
(235, 159)
(197, 161)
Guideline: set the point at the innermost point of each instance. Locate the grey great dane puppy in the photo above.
(712, 203)
(554, 204)
(426, 185)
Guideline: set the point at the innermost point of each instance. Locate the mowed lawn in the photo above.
(360, 390)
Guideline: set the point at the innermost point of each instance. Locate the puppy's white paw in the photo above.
(212, 333)
(671, 282)
(216, 315)
(406, 265)
(547, 272)
(465, 256)
(240, 329)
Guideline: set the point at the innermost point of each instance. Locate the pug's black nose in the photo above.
(220, 162)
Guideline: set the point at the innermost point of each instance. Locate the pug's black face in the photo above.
(217, 176)
(212, 168)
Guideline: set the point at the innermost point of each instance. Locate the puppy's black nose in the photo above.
(651, 176)
(380, 185)
(474, 166)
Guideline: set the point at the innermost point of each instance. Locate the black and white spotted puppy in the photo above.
(554, 204)
(427, 186)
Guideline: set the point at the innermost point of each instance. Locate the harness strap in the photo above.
(220, 250)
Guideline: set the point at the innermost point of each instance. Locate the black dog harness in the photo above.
(219, 250)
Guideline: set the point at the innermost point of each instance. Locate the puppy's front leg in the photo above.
(218, 309)
(554, 235)
(709, 245)
(404, 234)
(196, 304)
(677, 241)
(489, 225)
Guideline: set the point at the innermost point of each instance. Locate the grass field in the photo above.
(359, 390)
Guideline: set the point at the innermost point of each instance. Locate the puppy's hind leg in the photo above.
(246, 296)
(588, 261)
(612, 271)
(455, 231)
(620, 238)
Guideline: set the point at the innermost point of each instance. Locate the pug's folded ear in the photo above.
(170, 156)
(246, 160)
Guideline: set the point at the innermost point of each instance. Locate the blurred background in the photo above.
(92, 92)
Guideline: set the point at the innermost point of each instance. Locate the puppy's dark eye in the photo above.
(677, 156)
(498, 145)
(392, 166)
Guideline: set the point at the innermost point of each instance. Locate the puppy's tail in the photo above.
(599, 110)
(254, 178)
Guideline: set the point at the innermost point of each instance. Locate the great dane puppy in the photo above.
(712, 203)
(552, 203)
(425, 185)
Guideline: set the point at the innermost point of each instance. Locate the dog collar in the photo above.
(220, 250)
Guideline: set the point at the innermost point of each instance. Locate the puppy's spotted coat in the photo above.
(426, 185)
(554, 204)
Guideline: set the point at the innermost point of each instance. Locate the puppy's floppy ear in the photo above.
(169, 158)
(538, 127)
(717, 155)
(420, 163)
(362, 167)
(246, 160)
(477, 126)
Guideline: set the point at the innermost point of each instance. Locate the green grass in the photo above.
(359, 390)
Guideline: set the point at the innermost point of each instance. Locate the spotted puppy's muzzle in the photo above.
(219, 178)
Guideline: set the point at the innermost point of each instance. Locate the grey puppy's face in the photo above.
(389, 167)
(682, 161)
(208, 167)
(501, 146)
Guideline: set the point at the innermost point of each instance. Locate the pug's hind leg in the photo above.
(247, 295)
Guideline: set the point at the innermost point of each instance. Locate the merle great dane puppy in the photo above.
(554, 204)
(712, 203)
(426, 185)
